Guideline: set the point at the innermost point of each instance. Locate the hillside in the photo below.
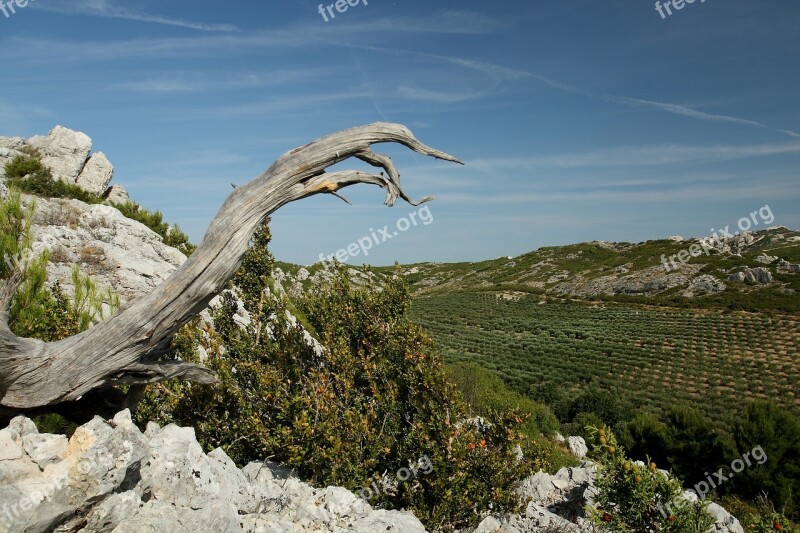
(752, 270)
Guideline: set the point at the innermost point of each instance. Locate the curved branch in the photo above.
(35, 374)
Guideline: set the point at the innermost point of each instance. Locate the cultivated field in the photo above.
(714, 360)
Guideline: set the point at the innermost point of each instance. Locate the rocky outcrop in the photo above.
(649, 281)
(752, 276)
(67, 154)
(116, 194)
(64, 151)
(702, 285)
(118, 252)
(110, 476)
(96, 175)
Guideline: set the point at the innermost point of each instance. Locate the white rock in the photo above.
(63, 150)
(578, 447)
(96, 174)
(9, 446)
(388, 521)
(117, 251)
(44, 449)
(116, 194)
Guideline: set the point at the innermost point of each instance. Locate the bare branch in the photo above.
(121, 349)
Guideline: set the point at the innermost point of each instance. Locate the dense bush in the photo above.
(609, 407)
(485, 391)
(777, 431)
(635, 497)
(375, 401)
(688, 443)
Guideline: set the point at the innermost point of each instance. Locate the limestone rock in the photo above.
(64, 151)
(111, 477)
(578, 447)
(116, 194)
(96, 174)
(752, 276)
(117, 251)
(702, 285)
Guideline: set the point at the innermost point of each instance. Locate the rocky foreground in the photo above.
(109, 476)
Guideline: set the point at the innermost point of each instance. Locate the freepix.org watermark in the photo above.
(340, 6)
(388, 486)
(665, 9)
(718, 238)
(363, 245)
(9, 7)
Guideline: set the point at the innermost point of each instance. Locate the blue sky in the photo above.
(577, 120)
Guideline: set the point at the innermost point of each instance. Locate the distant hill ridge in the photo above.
(752, 270)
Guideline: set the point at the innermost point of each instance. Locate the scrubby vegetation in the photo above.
(377, 400)
(637, 496)
(27, 174)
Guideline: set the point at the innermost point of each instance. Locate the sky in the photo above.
(576, 120)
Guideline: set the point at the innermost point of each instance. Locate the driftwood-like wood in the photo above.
(124, 349)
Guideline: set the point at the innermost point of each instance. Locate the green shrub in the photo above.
(777, 432)
(767, 520)
(15, 232)
(485, 391)
(376, 400)
(608, 406)
(25, 165)
(29, 175)
(633, 497)
(695, 445)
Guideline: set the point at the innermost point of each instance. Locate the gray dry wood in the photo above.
(124, 348)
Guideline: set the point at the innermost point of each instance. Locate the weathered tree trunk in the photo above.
(126, 348)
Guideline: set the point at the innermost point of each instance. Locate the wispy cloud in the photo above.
(218, 82)
(666, 107)
(443, 22)
(629, 156)
(104, 8)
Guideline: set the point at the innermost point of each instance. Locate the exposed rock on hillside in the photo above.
(67, 154)
(119, 252)
(111, 477)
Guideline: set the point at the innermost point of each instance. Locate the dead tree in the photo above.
(81, 375)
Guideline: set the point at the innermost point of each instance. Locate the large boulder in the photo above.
(64, 151)
(96, 174)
